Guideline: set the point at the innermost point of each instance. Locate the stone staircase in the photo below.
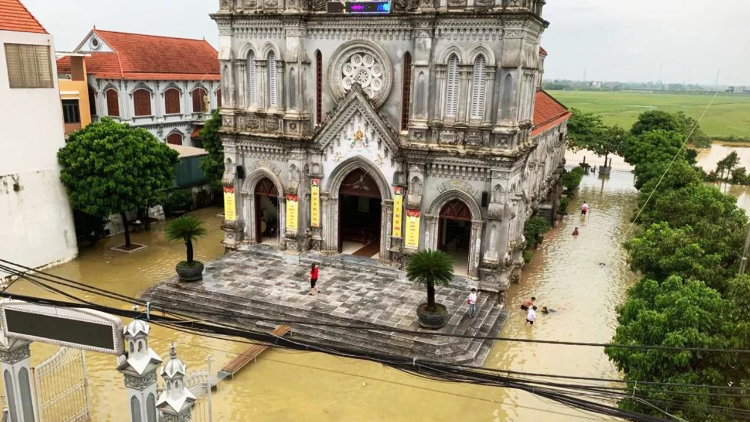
(256, 312)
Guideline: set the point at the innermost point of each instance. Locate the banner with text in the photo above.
(292, 206)
(315, 203)
(412, 229)
(398, 211)
(230, 212)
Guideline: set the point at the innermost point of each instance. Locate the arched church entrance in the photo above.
(454, 234)
(359, 215)
(266, 212)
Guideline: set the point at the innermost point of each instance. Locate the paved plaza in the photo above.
(264, 283)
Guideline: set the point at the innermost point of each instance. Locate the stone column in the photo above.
(261, 88)
(282, 222)
(386, 229)
(475, 248)
(464, 95)
(489, 95)
(243, 96)
(139, 365)
(280, 91)
(176, 402)
(14, 355)
(439, 113)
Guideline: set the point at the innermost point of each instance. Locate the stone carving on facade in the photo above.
(406, 5)
(474, 139)
(15, 355)
(448, 137)
(140, 382)
(363, 62)
(225, 5)
(457, 185)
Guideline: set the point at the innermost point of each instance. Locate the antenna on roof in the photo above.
(94, 26)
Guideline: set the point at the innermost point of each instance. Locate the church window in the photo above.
(252, 79)
(273, 100)
(318, 87)
(480, 86)
(406, 92)
(365, 70)
(451, 92)
(174, 138)
(142, 102)
(172, 101)
(218, 98)
(199, 100)
(113, 103)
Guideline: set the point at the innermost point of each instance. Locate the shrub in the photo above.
(527, 255)
(562, 206)
(179, 200)
(572, 179)
(533, 228)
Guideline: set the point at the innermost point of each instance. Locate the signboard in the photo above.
(292, 205)
(230, 211)
(362, 7)
(398, 211)
(72, 327)
(315, 203)
(412, 229)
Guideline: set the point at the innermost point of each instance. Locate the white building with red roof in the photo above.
(163, 84)
(36, 222)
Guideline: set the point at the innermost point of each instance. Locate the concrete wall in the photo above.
(75, 87)
(36, 223)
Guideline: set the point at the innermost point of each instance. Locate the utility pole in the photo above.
(743, 261)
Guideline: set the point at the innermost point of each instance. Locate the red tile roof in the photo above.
(548, 113)
(15, 17)
(150, 57)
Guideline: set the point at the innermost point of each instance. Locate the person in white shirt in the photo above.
(584, 208)
(472, 303)
(531, 316)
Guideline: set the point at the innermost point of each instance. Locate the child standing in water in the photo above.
(575, 232)
(531, 316)
(584, 208)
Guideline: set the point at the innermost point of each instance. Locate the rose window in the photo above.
(365, 70)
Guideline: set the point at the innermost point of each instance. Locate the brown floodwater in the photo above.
(565, 274)
(708, 157)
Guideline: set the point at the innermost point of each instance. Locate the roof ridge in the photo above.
(150, 35)
(31, 15)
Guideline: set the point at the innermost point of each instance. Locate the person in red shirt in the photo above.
(313, 279)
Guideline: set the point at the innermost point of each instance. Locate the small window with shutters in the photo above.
(480, 86)
(113, 103)
(218, 98)
(252, 79)
(172, 101)
(142, 102)
(174, 139)
(199, 100)
(29, 66)
(451, 91)
(406, 92)
(318, 87)
(273, 100)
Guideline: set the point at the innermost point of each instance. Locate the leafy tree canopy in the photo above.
(109, 168)
(648, 152)
(656, 120)
(213, 163)
(584, 129)
(679, 175)
(728, 163)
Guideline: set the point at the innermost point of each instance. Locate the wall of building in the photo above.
(36, 222)
(75, 87)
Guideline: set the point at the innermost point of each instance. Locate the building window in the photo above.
(406, 92)
(71, 112)
(273, 100)
(451, 91)
(113, 103)
(172, 101)
(174, 139)
(92, 101)
(480, 86)
(218, 98)
(252, 79)
(318, 87)
(142, 102)
(199, 101)
(29, 66)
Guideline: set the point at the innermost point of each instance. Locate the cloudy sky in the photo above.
(624, 40)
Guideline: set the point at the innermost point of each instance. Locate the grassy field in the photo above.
(729, 115)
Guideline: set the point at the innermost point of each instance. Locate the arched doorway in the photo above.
(359, 222)
(454, 234)
(266, 212)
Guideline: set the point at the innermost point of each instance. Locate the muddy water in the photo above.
(564, 274)
(708, 157)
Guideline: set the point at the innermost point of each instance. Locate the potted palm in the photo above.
(187, 228)
(431, 268)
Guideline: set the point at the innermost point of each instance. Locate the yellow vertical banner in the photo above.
(412, 229)
(292, 206)
(315, 203)
(230, 211)
(398, 211)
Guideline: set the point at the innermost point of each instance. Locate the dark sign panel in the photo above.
(77, 328)
(360, 7)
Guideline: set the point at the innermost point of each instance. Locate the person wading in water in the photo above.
(313, 279)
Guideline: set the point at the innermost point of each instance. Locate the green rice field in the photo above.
(729, 115)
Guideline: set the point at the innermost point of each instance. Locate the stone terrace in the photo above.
(263, 283)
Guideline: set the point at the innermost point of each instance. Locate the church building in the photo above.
(381, 128)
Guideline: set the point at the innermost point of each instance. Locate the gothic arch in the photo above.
(140, 86)
(248, 200)
(452, 49)
(449, 195)
(171, 85)
(199, 85)
(245, 50)
(252, 179)
(349, 165)
(267, 48)
(484, 50)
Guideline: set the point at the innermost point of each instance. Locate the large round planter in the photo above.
(604, 171)
(190, 274)
(432, 320)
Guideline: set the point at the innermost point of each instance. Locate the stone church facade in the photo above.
(432, 114)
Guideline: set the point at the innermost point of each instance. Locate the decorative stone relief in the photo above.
(365, 70)
(458, 185)
(15, 355)
(142, 382)
(363, 62)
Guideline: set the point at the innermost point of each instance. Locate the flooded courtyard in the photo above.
(566, 274)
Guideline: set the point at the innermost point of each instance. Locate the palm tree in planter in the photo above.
(187, 228)
(431, 268)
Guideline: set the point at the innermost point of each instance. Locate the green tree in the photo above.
(683, 313)
(533, 228)
(213, 164)
(611, 141)
(572, 179)
(727, 164)
(739, 176)
(691, 128)
(584, 129)
(656, 120)
(188, 229)
(431, 268)
(111, 168)
(679, 175)
(648, 153)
